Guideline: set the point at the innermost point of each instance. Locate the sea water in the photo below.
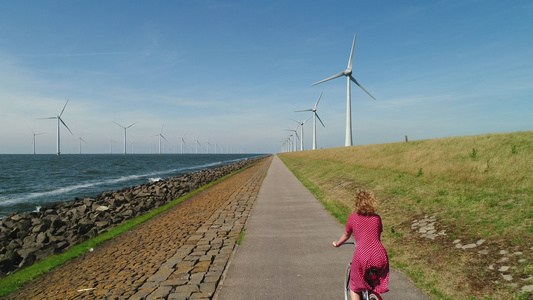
(28, 182)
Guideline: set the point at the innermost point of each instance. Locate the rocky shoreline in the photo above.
(26, 238)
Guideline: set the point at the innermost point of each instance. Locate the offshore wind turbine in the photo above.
(35, 134)
(132, 147)
(315, 116)
(81, 140)
(197, 143)
(125, 127)
(111, 145)
(301, 125)
(161, 136)
(182, 141)
(59, 120)
(208, 144)
(349, 77)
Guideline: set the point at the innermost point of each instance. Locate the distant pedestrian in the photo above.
(366, 226)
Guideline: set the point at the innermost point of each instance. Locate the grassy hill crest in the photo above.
(477, 189)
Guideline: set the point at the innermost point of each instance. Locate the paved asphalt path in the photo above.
(287, 251)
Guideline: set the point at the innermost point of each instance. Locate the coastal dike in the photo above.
(27, 238)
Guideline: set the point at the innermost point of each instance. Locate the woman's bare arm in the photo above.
(343, 239)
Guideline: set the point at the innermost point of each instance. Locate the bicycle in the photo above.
(370, 278)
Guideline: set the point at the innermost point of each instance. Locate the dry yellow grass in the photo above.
(477, 187)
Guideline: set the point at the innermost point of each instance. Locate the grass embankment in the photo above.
(477, 187)
(14, 281)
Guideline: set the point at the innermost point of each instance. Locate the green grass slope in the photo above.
(479, 189)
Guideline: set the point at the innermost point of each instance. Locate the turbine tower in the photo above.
(125, 133)
(35, 134)
(59, 120)
(315, 116)
(349, 77)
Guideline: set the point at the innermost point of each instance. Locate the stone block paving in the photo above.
(181, 254)
(194, 271)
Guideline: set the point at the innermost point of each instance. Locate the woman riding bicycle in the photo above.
(369, 253)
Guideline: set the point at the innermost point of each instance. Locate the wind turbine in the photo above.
(132, 147)
(161, 136)
(58, 127)
(349, 77)
(35, 134)
(182, 141)
(315, 116)
(301, 125)
(81, 140)
(111, 145)
(125, 133)
(295, 138)
(208, 144)
(197, 144)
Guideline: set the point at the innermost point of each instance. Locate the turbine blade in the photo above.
(320, 120)
(316, 104)
(296, 121)
(164, 137)
(47, 118)
(349, 67)
(307, 119)
(355, 81)
(63, 110)
(118, 124)
(329, 78)
(132, 125)
(65, 125)
(304, 110)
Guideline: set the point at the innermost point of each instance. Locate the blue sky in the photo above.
(233, 72)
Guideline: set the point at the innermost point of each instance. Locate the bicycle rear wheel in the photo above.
(373, 296)
(347, 284)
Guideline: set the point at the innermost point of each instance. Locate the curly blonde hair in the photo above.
(366, 203)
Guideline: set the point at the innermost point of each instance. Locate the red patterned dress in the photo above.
(369, 252)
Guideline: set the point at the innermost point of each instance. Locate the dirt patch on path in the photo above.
(178, 254)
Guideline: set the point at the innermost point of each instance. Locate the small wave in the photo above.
(63, 190)
(155, 179)
(96, 172)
